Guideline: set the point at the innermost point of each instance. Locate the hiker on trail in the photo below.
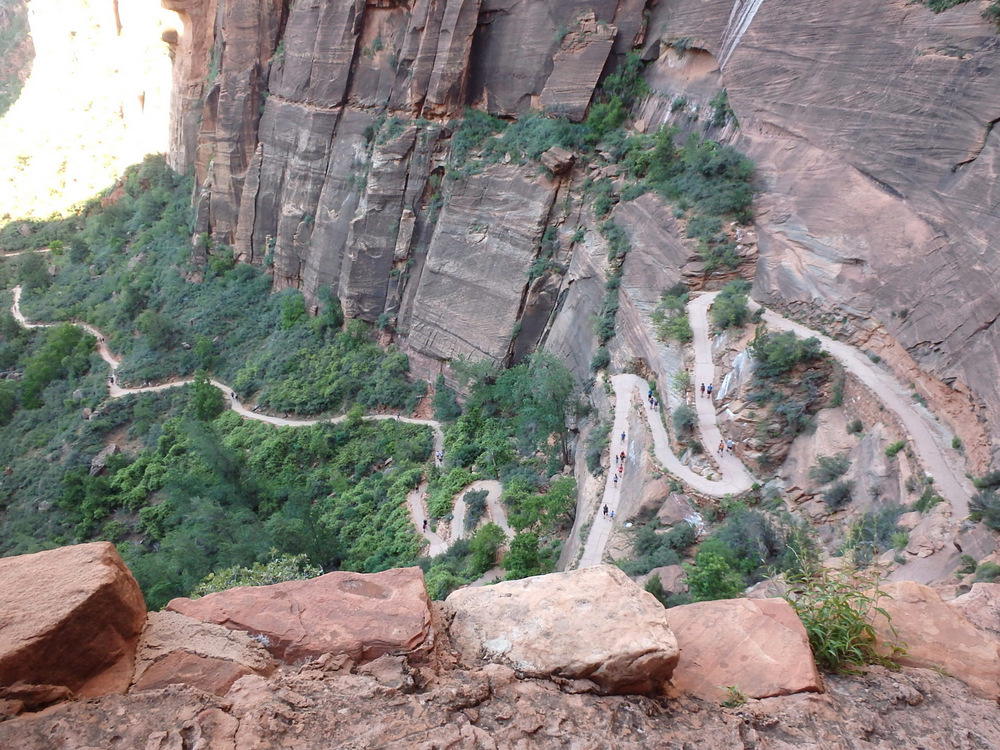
(722, 447)
(616, 480)
(425, 525)
(730, 445)
(605, 510)
(709, 389)
(656, 404)
(623, 437)
(622, 455)
(612, 515)
(703, 389)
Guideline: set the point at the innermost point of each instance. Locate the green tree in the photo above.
(65, 353)
(157, 329)
(713, 575)
(685, 418)
(523, 559)
(730, 308)
(8, 401)
(33, 272)
(204, 351)
(485, 546)
(207, 401)
(293, 310)
(446, 408)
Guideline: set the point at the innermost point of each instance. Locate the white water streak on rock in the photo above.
(740, 19)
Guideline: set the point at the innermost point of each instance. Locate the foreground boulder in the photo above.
(592, 624)
(362, 616)
(756, 645)
(69, 617)
(175, 649)
(938, 636)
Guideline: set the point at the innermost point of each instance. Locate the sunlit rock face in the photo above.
(96, 101)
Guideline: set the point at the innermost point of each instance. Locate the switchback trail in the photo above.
(926, 441)
(734, 477)
(415, 500)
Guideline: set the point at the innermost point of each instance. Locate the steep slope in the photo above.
(320, 134)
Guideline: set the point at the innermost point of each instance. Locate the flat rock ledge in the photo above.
(362, 616)
(591, 624)
(756, 645)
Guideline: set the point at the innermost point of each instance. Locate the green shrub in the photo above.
(597, 444)
(838, 495)
(484, 548)
(992, 13)
(927, 500)
(988, 572)
(670, 316)
(601, 359)
(968, 565)
(777, 354)
(854, 427)
(446, 408)
(941, 5)
(730, 308)
(475, 507)
(985, 506)
(278, 569)
(838, 610)
(828, 468)
(655, 587)
(713, 573)
(685, 419)
(656, 550)
(871, 533)
(892, 450)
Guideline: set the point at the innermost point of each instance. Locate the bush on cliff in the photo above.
(838, 610)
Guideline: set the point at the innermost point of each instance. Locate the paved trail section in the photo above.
(733, 477)
(415, 500)
(926, 439)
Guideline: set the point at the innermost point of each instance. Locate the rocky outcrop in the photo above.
(476, 273)
(981, 606)
(70, 617)
(205, 686)
(758, 646)
(590, 624)
(495, 707)
(360, 616)
(939, 636)
(175, 649)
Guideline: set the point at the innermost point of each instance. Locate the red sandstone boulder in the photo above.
(175, 649)
(938, 636)
(756, 645)
(69, 617)
(981, 606)
(360, 615)
(593, 624)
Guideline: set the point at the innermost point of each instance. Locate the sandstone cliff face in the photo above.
(319, 133)
(872, 131)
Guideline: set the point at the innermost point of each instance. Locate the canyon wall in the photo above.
(320, 133)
